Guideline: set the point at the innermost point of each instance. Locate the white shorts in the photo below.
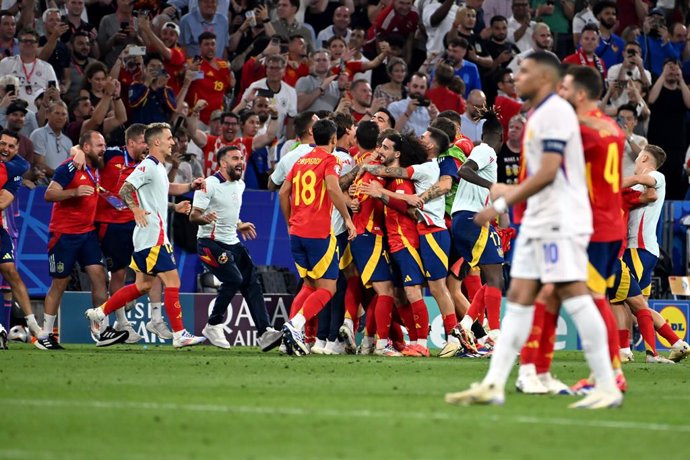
(550, 260)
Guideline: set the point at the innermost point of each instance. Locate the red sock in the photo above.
(646, 325)
(173, 309)
(421, 319)
(405, 312)
(299, 299)
(547, 342)
(370, 324)
(666, 332)
(624, 338)
(492, 300)
(315, 303)
(449, 322)
(611, 330)
(384, 310)
(530, 351)
(120, 298)
(311, 327)
(353, 297)
(473, 283)
(477, 305)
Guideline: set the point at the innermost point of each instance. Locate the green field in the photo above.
(204, 403)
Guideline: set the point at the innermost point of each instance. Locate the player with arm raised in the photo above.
(307, 197)
(146, 193)
(551, 246)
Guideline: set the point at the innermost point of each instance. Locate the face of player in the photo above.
(528, 79)
(97, 82)
(234, 164)
(362, 94)
(230, 128)
(8, 147)
(398, 73)
(515, 128)
(589, 41)
(251, 126)
(137, 147)
(166, 143)
(499, 31)
(337, 48)
(568, 91)
(607, 17)
(8, 27)
(341, 18)
(389, 156)
(417, 86)
(15, 120)
(207, 49)
(382, 120)
(402, 7)
(428, 143)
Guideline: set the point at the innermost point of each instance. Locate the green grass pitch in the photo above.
(128, 402)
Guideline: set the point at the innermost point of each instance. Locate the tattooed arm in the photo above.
(440, 188)
(347, 179)
(386, 171)
(127, 193)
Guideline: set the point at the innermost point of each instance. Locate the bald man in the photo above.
(340, 27)
(472, 126)
(543, 41)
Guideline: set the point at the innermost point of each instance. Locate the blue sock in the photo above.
(5, 314)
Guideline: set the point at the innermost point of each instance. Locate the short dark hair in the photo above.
(452, 115)
(74, 104)
(501, 73)
(629, 107)
(224, 151)
(152, 56)
(28, 31)
(587, 79)
(591, 27)
(459, 42)
(631, 43)
(602, 5)
(324, 130)
(391, 118)
(497, 18)
(206, 36)
(547, 59)
(412, 152)
(440, 139)
(134, 130)
(367, 134)
(225, 115)
(302, 123)
(295, 37)
(154, 130)
(445, 125)
(245, 115)
(657, 152)
(10, 133)
(343, 121)
(295, 3)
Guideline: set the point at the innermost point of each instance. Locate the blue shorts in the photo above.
(641, 264)
(624, 284)
(407, 267)
(116, 244)
(601, 268)
(477, 245)
(6, 248)
(315, 258)
(371, 258)
(65, 249)
(434, 249)
(151, 261)
(344, 251)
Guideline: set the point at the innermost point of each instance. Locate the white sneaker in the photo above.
(528, 382)
(599, 399)
(160, 329)
(367, 346)
(294, 340)
(96, 317)
(679, 352)
(387, 350)
(185, 339)
(134, 337)
(334, 348)
(347, 335)
(553, 385)
(318, 347)
(479, 393)
(216, 336)
(627, 356)
(450, 348)
(270, 339)
(282, 349)
(658, 359)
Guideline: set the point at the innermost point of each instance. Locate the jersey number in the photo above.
(612, 170)
(304, 187)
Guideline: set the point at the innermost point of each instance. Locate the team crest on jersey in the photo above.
(142, 168)
(337, 169)
(223, 258)
(60, 267)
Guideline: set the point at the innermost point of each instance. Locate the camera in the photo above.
(267, 93)
(421, 100)
(10, 89)
(124, 26)
(52, 84)
(631, 53)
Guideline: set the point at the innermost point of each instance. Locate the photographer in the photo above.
(415, 112)
(631, 68)
(151, 100)
(656, 43)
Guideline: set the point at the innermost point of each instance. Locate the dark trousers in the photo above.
(332, 315)
(234, 268)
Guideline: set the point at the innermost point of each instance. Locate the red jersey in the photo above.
(175, 68)
(578, 58)
(370, 216)
(603, 143)
(75, 215)
(445, 99)
(350, 68)
(631, 200)
(215, 143)
(465, 144)
(251, 72)
(118, 165)
(292, 74)
(390, 22)
(401, 229)
(310, 204)
(211, 88)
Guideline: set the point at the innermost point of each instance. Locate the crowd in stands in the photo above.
(226, 72)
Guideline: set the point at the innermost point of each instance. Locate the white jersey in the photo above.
(287, 162)
(33, 78)
(151, 182)
(562, 208)
(424, 176)
(223, 197)
(346, 164)
(472, 197)
(643, 221)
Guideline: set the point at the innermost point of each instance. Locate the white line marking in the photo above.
(359, 413)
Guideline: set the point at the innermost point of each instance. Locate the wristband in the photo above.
(266, 21)
(274, 118)
(500, 205)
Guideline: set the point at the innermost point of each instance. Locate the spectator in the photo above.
(188, 5)
(521, 26)
(631, 13)
(634, 143)
(397, 18)
(303, 123)
(80, 50)
(100, 118)
(250, 29)
(339, 28)
(497, 8)
(152, 100)
(480, 27)
(543, 41)
(7, 98)
(167, 48)
(284, 94)
(508, 159)
(679, 38)
(318, 91)
(472, 123)
(409, 115)
(75, 9)
(116, 31)
(630, 69)
(217, 80)
(257, 169)
(383, 119)
(34, 74)
(501, 51)
(52, 49)
(15, 121)
(611, 46)
(287, 24)
(254, 66)
(230, 131)
(93, 84)
(507, 102)
(655, 43)
(214, 125)
(438, 17)
(201, 20)
(393, 90)
(581, 19)
(190, 167)
(440, 95)
(341, 62)
(557, 14)
(589, 42)
(669, 100)
(358, 104)
(297, 60)
(51, 145)
(463, 26)
(9, 45)
(355, 45)
(466, 70)
(631, 33)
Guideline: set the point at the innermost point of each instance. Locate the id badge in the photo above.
(113, 200)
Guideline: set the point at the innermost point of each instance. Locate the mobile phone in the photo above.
(137, 51)
(265, 93)
(52, 84)
(10, 88)
(124, 25)
(199, 75)
(283, 48)
(252, 17)
(197, 58)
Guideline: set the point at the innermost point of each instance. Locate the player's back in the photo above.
(561, 208)
(603, 143)
(310, 204)
(401, 229)
(346, 163)
(472, 197)
(151, 180)
(370, 215)
(288, 161)
(643, 221)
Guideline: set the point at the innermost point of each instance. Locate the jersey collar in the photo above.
(220, 177)
(154, 159)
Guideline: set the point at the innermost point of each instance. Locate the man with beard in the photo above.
(217, 211)
(611, 46)
(81, 45)
(167, 47)
(145, 192)
(586, 55)
(502, 52)
(210, 145)
(360, 103)
(73, 236)
(543, 41)
(414, 113)
(466, 70)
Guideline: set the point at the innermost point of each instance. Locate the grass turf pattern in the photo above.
(128, 402)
